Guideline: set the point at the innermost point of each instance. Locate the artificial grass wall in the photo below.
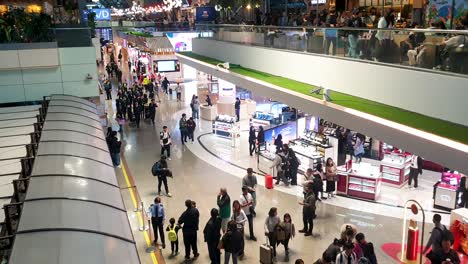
(432, 125)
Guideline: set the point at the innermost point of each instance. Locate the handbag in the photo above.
(221, 244)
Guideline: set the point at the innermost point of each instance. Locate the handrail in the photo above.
(424, 30)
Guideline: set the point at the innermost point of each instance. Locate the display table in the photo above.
(265, 161)
(395, 168)
(307, 154)
(362, 181)
(208, 112)
(445, 196)
(222, 126)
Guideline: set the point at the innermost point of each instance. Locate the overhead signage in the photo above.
(102, 14)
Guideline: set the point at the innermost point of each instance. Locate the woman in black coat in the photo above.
(260, 138)
(252, 138)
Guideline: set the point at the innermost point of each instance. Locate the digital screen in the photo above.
(288, 131)
(167, 66)
(183, 41)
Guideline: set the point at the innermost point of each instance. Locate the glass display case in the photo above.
(223, 125)
(361, 181)
(395, 168)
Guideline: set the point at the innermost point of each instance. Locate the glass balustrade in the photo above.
(444, 51)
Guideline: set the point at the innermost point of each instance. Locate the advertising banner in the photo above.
(205, 14)
(288, 131)
(441, 10)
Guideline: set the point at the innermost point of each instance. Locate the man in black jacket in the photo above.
(189, 221)
(212, 235)
(114, 148)
(293, 163)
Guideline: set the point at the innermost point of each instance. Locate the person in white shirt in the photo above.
(347, 256)
(246, 202)
(415, 170)
(165, 141)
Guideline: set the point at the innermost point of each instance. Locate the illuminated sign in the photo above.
(102, 14)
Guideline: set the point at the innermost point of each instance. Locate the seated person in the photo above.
(444, 255)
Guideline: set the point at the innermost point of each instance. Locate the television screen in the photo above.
(167, 66)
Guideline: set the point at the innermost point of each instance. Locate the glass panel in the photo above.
(443, 51)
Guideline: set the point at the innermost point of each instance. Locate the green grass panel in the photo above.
(432, 125)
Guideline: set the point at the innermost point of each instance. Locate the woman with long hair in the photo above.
(240, 218)
(271, 223)
(330, 173)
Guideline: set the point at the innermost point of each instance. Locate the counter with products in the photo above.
(265, 161)
(446, 193)
(361, 181)
(263, 119)
(395, 168)
(223, 125)
(307, 154)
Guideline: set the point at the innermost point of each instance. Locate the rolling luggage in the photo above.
(266, 253)
(268, 181)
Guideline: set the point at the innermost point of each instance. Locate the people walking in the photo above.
(191, 125)
(212, 234)
(250, 181)
(317, 182)
(237, 105)
(108, 89)
(173, 236)
(189, 221)
(281, 166)
(183, 128)
(308, 211)
(260, 138)
(165, 85)
(224, 203)
(152, 110)
(232, 243)
(195, 108)
(178, 90)
(238, 215)
(252, 139)
(161, 170)
(114, 149)
(435, 240)
(293, 163)
(415, 169)
(165, 141)
(246, 202)
(158, 217)
(289, 230)
(137, 113)
(271, 224)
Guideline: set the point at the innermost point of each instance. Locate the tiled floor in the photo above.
(198, 175)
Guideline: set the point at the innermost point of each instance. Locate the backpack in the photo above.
(172, 235)
(369, 254)
(155, 170)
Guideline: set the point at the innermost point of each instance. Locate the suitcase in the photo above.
(268, 181)
(266, 253)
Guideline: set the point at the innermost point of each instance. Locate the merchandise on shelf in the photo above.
(446, 195)
(395, 168)
(223, 125)
(262, 119)
(362, 181)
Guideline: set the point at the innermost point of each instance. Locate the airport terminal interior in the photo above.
(195, 132)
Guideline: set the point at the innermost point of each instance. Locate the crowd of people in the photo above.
(225, 231)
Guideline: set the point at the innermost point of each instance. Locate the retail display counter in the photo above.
(208, 112)
(307, 154)
(395, 168)
(262, 119)
(446, 193)
(265, 161)
(361, 181)
(223, 125)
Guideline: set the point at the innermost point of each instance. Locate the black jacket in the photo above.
(232, 241)
(189, 219)
(252, 136)
(212, 231)
(114, 145)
